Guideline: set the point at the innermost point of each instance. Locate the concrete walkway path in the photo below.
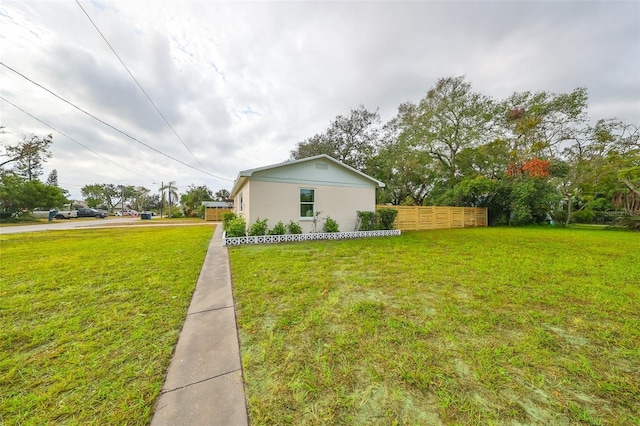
(204, 384)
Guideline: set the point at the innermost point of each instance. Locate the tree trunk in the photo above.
(568, 210)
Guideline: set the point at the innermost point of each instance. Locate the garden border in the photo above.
(269, 239)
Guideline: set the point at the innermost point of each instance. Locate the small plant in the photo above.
(368, 221)
(330, 225)
(236, 227)
(386, 218)
(294, 227)
(226, 218)
(258, 228)
(279, 229)
(315, 221)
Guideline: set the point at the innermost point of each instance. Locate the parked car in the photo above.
(131, 213)
(66, 214)
(89, 212)
(40, 214)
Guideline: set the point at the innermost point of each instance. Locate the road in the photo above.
(66, 224)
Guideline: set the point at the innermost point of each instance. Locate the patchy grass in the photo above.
(473, 326)
(89, 320)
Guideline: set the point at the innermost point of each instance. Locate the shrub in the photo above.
(630, 222)
(368, 221)
(584, 216)
(236, 227)
(294, 227)
(279, 229)
(200, 212)
(226, 218)
(386, 218)
(6, 216)
(176, 214)
(258, 228)
(194, 213)
(330, 225)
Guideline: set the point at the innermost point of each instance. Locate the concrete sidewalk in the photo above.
(204, 384)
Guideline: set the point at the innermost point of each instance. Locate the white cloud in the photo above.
(242, 82)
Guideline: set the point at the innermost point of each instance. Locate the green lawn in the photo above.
(472, 326)
(89, 320)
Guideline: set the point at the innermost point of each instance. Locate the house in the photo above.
(303, 190)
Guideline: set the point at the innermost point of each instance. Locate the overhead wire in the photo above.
(139, 85)
(67, 136)
(111, 126)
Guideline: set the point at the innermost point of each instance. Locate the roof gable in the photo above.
(320, 169)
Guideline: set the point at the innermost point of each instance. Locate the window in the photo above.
(307, 203)
(241, 202)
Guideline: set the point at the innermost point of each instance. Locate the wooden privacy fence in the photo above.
(416, 218)
(215, 214)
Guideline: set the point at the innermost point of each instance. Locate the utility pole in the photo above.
(169, 196)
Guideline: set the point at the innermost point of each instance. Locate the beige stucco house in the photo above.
(297, 190)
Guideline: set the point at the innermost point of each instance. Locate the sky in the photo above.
(240, 83)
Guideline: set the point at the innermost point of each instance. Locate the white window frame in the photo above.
(241, 202)
(312, 203)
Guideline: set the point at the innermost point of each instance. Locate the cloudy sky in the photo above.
(242, 82)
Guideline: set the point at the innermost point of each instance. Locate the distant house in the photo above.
(300, 190)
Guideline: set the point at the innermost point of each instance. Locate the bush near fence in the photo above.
(417, 218)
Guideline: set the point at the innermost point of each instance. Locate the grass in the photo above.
(107, 221)
(473, 326)
(89, 320)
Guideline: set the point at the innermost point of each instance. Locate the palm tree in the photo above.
(172, 194)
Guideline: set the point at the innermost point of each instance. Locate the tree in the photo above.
(53, 178)
(152, 201)
(351, 140)
(222, 195)
(94, 194)
(169, 192)
(449, 119)
(535, 130)
(140, 198)
(18, 194)
(614, 155)
(538, 124)
(193, 198)
(108, 194)
(29, 155)
(407, 172)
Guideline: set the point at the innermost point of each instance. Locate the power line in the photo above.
(139, 85)
(111, 126)
(67, 136)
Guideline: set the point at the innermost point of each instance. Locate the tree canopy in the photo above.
(192, 199)
(29, 155)
(527, 158)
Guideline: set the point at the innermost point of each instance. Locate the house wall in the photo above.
(277, 201)
(242, 208)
